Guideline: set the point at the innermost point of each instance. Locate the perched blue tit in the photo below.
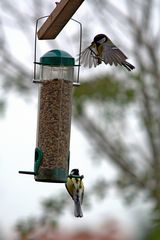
(75, 188)
(102, 49)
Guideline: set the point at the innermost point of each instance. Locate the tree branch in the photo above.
(106, 147)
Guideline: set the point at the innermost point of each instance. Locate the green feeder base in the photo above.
(57, 175)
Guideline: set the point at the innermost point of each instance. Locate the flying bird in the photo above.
(75, 188)
(102, 49)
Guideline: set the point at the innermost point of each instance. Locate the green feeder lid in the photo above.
(57, 58)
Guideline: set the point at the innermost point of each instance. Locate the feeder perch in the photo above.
(58, 18)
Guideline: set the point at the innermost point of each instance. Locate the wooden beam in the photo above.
(58, 18)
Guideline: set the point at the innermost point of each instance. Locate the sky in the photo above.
(20, 194)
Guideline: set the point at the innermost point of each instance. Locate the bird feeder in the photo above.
(54, 116)
(51, 163)
(56, 80)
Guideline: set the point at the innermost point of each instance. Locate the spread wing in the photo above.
(88, 57)
(112, 55)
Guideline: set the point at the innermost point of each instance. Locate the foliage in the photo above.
(101, 91)
(24, 227)
(107, 108)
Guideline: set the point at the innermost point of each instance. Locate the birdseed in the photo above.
(54, 122)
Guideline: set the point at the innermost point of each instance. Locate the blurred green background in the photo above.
(116, 112)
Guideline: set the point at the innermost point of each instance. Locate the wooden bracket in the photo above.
(58, 19)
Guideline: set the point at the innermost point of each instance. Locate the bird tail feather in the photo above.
(129, 66)
(77, 209)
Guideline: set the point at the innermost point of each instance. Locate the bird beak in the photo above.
(92, 44)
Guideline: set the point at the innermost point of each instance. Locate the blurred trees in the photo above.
(110, 230)
(119, 111)
(17, 26)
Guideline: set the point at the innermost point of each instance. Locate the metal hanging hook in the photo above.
(80, 49)
(77, 83)
(35, 49)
